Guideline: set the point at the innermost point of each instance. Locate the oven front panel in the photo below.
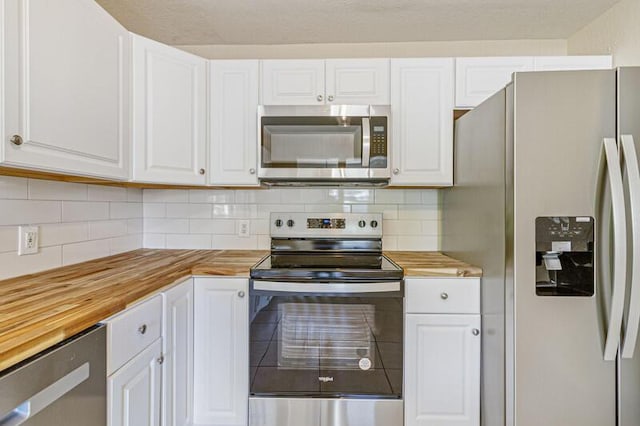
(326, 345)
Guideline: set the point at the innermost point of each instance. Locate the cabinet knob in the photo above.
(319, 98)
(444, 296)
(160, 359)
(396, 171)
(252, 171)
(241, 294)
(142, 329)
(330, 98)
(475, 331)
(201, 171)
(16, 140)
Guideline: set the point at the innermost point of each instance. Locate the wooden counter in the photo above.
(40, 310)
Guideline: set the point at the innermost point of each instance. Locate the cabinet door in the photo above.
(479, 78)
(134, 390)
(442, 353)
(66, 88)
(169, 114)
(221, 351)
(233, 122)
(422, 115)
(357, 81)
(293, 82)
(177, 369)
(568, 63)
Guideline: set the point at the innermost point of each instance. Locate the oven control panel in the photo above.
(301, 225)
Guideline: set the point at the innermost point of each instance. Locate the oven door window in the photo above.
(326, 346)
(311, 142)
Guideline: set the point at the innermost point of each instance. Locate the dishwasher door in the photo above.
(62, 386)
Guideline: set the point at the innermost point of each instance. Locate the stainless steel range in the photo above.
(326, 325)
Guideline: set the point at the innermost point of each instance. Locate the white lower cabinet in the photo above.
(221, 376)
(134, 390)
(442, 355)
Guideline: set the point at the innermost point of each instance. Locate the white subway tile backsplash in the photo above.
(52, 190)
(412, 196)
(166, 226)
(13, 188)
(430, 197)
(431, 227)
(8, 238)
(87, 250)
(154, 241)
(402, 227)
(76, 211)
(56, 234)
(107, 229)
(303, 195)
(189, 241)
(125, 243)
(135, 226)
(197, 211)
(350, 196)
(389, 211)
(211, 196)
(154, 210)
(258, 196)
(260, 226)
(263, 211)
(178, 210)
(390, 196)
(264, 242)
(328, 208)
(107, 193)
(125, 210)
(418, 242)
(212, 226)
(20, 212)
(237, 211)
(419, 212)
(134, 195)
(12, 265)
(165, 196)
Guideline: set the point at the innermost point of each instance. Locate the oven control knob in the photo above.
(374, 223)
(290, 223)
(278, 223)
(362, 224)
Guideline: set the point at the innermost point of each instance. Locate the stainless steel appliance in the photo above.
(546, 201)
(326, 325)
(62, 386)
(332, 144)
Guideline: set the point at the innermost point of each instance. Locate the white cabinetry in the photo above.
(442, 352)
(169, 114)
(479, 78)
(65, 90)
(318, 82)
(221, 351)
(422, 115)
(177, 342)
(233, 98)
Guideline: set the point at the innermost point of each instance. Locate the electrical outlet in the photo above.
(244, 228)
(27, 240)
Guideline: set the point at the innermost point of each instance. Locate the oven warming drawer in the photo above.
(325, 412)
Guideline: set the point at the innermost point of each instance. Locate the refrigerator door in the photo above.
(560, 376)
(629, 368)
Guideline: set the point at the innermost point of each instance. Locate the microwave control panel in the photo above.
(378, 136)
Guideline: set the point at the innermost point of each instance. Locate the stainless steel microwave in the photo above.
(329, 144)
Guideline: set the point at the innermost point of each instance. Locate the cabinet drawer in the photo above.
(132, 331)
(443, 295)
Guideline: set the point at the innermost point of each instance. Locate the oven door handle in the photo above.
(335, 288)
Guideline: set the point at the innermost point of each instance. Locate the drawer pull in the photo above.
(241, 294)
(142, 329)
(444, 296)
(160, 359)
(475, 331)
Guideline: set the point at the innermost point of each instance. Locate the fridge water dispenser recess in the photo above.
(564, 256)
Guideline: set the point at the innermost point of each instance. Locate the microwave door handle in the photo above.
(366, 141)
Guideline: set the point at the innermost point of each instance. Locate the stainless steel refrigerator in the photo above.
(546, 200)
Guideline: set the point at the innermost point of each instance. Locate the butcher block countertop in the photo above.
(42, 309)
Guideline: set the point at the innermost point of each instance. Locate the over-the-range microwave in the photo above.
(330, 144)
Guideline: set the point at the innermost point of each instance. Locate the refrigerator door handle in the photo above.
(611, 160)
(633, 175)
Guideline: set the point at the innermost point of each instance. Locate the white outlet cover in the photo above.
(28, 240)
(244, 228)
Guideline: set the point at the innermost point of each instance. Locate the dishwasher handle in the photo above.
(46, 396)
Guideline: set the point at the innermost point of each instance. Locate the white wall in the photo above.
(77, 222)
(209, 218)
(615, 32)
(393, 50)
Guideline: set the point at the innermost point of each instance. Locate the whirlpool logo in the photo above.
(325, 379)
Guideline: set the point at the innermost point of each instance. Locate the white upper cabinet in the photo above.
(422, 116)
(560, 63)
(320, 82)
(357, 81)
(233, 100)
(293, 82)
(65, 90)
(169, 114)
(479, 78)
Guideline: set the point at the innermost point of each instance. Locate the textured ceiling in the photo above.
(192, 22)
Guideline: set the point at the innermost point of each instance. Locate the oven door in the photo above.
(296, 145)
(328, 340)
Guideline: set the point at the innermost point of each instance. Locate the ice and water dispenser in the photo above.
(564, 256)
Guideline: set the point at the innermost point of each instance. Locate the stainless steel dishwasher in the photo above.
(63, 385)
